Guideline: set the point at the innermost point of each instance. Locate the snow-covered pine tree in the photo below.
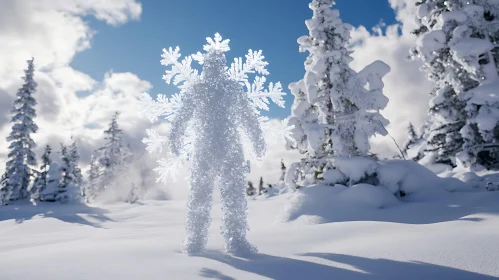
(458, 47)
(133, 195)
(21, 155)
(250, 189)
(261, 188)
(66, 180)
(92, 187)
(74, 157)
(114, 155)
(4, 192)
(412, 132)
(336, 109)
(52, 190)
(42, 179)
(412, 148)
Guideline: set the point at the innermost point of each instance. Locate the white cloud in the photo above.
(53, 31)
(406, 86)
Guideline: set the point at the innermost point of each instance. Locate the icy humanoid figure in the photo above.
(218, 108)
(207, 117)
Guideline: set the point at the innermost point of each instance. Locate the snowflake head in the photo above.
(217, 44)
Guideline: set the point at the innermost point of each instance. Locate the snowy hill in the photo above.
(452, 237)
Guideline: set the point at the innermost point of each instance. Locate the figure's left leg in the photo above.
(235, 208)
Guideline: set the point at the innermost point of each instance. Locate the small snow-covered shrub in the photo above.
(492, 187)
(357, 169)
(328, 203)
(369, 196)
(396, 181)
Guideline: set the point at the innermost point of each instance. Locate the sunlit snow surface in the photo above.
(453, 237)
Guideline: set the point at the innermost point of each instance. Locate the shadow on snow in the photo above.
(275, 267)
(69, 213)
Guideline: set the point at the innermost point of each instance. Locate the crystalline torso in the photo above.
(215, 117)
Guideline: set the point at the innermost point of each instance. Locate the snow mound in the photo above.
(410, 177)
(356, 168)
(368, 196)
(399, 181)
(400, 177)
(320, 203)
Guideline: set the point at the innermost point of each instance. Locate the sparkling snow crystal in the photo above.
(207, 117)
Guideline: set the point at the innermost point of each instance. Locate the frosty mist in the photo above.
(208, 116)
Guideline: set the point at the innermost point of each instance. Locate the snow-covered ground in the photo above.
(453, 237)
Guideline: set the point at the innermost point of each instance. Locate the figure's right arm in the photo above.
(180, 122)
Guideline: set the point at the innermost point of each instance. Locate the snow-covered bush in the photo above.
(64, 180)
(52, 190)
(336, 109)
(41, 180)
(250, 189)
(458, 47)
(397, 180)
(415, 146)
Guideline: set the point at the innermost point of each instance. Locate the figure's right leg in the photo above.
(198, 208)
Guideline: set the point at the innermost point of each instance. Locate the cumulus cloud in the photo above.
(406, 86)
(53, 31)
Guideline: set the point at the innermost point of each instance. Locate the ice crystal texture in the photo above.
(215, 111)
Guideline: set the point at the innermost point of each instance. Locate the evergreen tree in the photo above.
(115, 155)
(132, 195)
(336, 109)
(250, 190)
(66, 179)
(412, 133)
(261, 188)
(4, 192)
(413, 147)
(21, 155)
(457, 45)
(53, 190)
(92, 187)
(42, 178)
(74, 157)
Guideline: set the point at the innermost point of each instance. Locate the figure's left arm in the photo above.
(179, 124)
(251, 125)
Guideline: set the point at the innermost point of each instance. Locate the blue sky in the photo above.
(270, 25)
